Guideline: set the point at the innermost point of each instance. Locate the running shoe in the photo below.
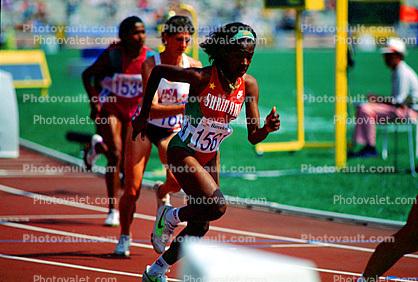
(165, 201)
(366, 152)
(90, 154)
(122, 247)
(163, 230)
(112, 218)
(147, 277)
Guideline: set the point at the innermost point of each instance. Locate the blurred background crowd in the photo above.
(21, 19)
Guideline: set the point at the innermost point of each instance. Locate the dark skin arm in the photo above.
(256, 133)
(88, 76)
(158, 110)
(197, 78)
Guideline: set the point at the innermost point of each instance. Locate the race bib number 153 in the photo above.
(127, 85)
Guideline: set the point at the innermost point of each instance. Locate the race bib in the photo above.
(124, 85)
(168, 122)
(207, 136)
(171, 93)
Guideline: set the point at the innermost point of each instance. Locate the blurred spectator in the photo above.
(110, 9)
(401, 107)
(28, 10)
(288, 21)
(71, 8)
(41, 13)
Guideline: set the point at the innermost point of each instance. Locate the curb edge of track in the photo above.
(236, 201)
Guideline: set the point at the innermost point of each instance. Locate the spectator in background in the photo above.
(28, 11)
(41, 12)
(110, 9)
(71, 7)
(401, 106)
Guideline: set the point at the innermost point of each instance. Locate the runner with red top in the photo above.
(216, 96)
(114, 85)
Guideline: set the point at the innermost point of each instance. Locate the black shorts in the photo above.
(156, 133)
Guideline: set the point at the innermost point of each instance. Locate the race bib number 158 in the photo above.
(208, 135)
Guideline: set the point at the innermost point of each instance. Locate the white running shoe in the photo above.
(122, 247)
(147, 277)
(161, 201)
(112, 218)
(91, 155)
(163, 230)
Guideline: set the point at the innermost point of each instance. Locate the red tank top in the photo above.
(207, 116)
(219, 106)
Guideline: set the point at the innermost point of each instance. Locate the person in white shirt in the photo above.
(400, 107)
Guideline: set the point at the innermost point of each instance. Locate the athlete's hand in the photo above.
(272, 121)
(139, 126)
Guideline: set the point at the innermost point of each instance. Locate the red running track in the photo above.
(52, 229)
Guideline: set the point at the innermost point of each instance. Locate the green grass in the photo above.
(274, 71)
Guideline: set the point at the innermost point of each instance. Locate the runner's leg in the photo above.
(136, 157)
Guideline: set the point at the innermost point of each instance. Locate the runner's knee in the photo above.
(114, 156)
(131, 195)
(198, 229)
(218, 207)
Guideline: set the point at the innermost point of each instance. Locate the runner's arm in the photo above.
(88, 76)
(158, 110)
(256, 133)
(172, 73)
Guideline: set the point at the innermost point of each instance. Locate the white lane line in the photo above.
(295, 240)
(9, 173)
(23, 217)
(76, 266)
(49, 199)
(87, 238)
(293, 246)
(43, 199)
(107, 240)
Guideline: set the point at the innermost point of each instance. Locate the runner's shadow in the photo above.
(76, 255)
(62, 222)
(63, 192)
